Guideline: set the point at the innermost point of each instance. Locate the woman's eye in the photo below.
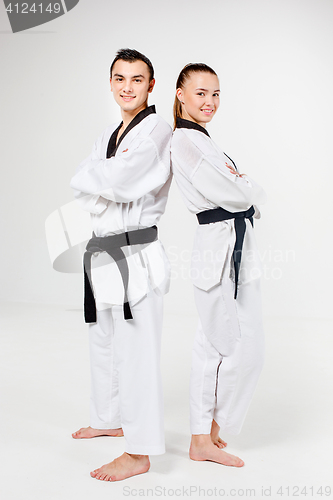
(200, 93)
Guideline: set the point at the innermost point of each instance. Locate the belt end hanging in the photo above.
(127, 311)
(90, 315)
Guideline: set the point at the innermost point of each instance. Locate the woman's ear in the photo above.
(179, 94)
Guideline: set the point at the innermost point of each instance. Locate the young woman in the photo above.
(228, 348)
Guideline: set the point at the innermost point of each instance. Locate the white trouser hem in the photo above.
(105, 426)
(234, 430)
(201, 429)
(145, 450)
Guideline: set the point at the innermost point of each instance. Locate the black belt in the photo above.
(112, 246)
(219, 214)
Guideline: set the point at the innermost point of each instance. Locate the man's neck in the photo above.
(128, 116)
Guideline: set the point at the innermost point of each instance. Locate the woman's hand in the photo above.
(233, 170)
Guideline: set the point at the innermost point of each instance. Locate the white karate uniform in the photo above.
(125, 192)
(228, 348)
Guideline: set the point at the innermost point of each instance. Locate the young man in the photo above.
(124, 184)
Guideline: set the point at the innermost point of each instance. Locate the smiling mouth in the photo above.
(127, 97)
(207, 111)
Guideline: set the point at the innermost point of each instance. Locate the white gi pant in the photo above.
(221, 386)
(126, 384)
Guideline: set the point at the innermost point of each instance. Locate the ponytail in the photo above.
(177, 111)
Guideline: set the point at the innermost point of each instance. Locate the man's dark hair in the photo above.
(131, 55)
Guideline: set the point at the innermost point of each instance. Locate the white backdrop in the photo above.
(274, 59)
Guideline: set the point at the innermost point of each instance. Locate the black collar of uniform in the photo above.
(182, 123)
(113, 144)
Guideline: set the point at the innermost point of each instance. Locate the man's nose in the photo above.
(128, 87)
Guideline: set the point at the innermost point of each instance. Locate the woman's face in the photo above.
(200, 97)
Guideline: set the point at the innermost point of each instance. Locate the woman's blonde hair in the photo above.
(184, 75)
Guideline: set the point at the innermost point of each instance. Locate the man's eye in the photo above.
(137, 80)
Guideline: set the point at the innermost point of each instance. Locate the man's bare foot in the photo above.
(202, 448)
(89, 432)
(214, 434)
(122, 467)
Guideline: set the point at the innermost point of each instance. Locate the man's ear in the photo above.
(151, 85)
(111, 84)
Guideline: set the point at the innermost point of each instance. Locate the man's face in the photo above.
(131, 84)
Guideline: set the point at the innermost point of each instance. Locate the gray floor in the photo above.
(285, 443)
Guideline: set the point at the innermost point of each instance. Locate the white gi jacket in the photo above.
(124, 192)
(205, 182)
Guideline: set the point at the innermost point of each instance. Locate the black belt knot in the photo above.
(112, 246)
(220, 214)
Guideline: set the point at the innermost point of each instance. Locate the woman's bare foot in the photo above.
(214, 434)
(202, 448)
(122, 467)
(89, 432)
